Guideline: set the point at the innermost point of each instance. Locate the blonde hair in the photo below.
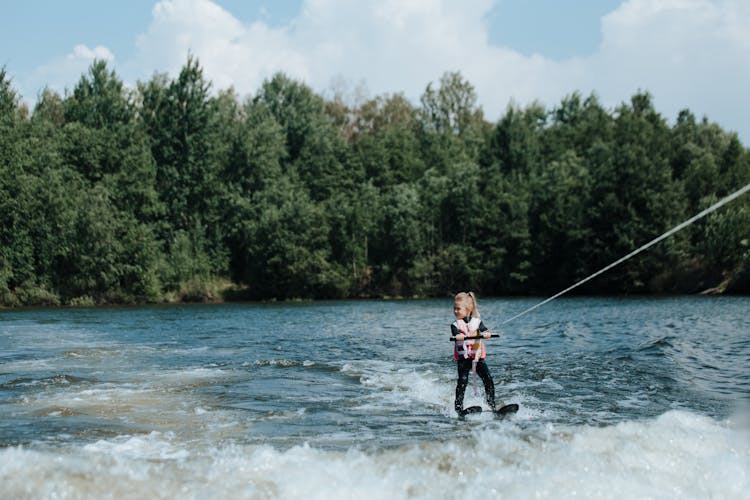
(470, 299)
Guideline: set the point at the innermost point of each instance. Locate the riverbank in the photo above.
(688, 282)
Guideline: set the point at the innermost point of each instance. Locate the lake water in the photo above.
(619, 398)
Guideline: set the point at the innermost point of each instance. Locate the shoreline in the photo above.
(709, 293)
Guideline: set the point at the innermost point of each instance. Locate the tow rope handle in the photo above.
(479, 337)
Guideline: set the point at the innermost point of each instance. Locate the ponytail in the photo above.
(475, 309)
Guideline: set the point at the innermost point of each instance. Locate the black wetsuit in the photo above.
(464, 368)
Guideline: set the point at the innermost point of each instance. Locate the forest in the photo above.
(176, 191)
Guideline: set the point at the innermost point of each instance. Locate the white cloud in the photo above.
(231, 54)
(64, 72)
(393, 45)
(687, 53)
(83, 53)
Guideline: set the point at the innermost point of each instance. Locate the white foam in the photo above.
(154, 446)
(284, 416)
(141, 405)
(678, 455)
(392, 385)
(428, 385)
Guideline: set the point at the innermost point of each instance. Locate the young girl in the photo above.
(470, 354)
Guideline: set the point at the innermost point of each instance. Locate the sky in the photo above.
(692, 54)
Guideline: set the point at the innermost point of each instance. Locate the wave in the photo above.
(280, 363)
(677, 455)
(60, 379)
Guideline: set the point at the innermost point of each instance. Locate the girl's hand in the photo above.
(460, 337)
(486, 334)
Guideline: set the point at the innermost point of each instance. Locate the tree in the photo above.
(575, 125)
(21, 229)
(8, 100)
(452, 125)
(49, 108)
(314, 145)
(558, 223)
(109, 256)
(399, 241)
(634, 198)
(450, 212)
(353, 219)
(260, 152)
(99, 99)
(255, 167)
(515, 142)
(725, 239)
(175, 115)
(385, 145)
(110, 195)
(283, 249)
(177, 118)
(503, 238)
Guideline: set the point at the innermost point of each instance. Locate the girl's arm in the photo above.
(456, 333)
(484, 330)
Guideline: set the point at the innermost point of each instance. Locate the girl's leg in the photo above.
(489, 385)
(463, 380)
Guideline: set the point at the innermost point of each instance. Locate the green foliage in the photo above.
(400, 239)
(385, 142)
(8, 100)
(110, 256)
(187, 259)
(172, 192)
(726, 238)
(98, 100)
(558, 222)
(352, 219)
(259, 152)
(452, 127)
(314, 145)
(515, 143)
(283, 249)
(635, 197)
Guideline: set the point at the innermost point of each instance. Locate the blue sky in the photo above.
(530, 26)
(687, 53)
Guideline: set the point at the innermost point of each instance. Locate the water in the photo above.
(620, 398)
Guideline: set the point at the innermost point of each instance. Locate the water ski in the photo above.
(500, 412)
(506, 410)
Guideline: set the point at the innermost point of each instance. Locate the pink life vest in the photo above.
(469, 348)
